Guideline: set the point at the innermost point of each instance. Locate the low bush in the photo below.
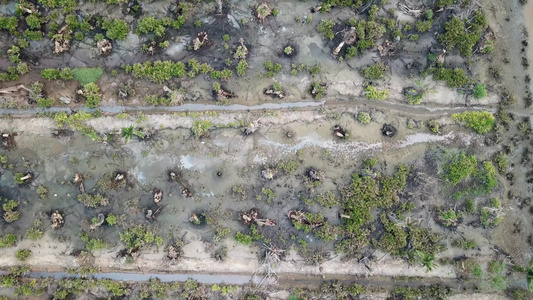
(481, 121)
(463, 34)
(453, 77)
(375, 71)
(92, 95)
(372, 93)
(115, 29)
(87, 75)
(23, 254)
(364, 117)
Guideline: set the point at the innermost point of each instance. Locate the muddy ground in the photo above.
(239, 161)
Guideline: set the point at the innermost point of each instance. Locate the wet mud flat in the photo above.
(366, 144)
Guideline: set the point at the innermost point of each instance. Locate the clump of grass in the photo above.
(364, 117)
(201, 128)
(481, 121)
(93, 201)
(372, 93)
(375, 71)
(326, 28)
(23, 254)
(87, 75)
(460, 166)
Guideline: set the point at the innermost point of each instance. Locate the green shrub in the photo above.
(45, 102)
(93, 244)
(243, 238)
(8, 240)
(481, 121)
(92, 201)
(91, 91)
(480, 91)
(23, 254)
(22, 68)
(33, 35)
(502, 163)
(271, 68)
(317, 90)
(226, 74)
(351, 51)
(423, 26)
(433, 126)
(111, 219)
(242, 67)
(364, 117)
(495, 202)
(325, 27)
(458, 167)
(87, 75)
(66, 74)
(463, 34)
(34, 233)
(116, 29)
(137, 237)
(201, 128)
(288, 50)
(9, 23)
(375, 71)
(33, 21)
(50, 74)
(158, 71)
(373, 93)
(453, 77)
(153, 25)
(98, 37)
(156, 100)
(487, 177)
(42, 191)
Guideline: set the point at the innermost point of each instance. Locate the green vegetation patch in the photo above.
(375, 71)
(459, 167)
(87, 75)
(481, 121)
(453, 77)
(360, 198)
(463, 34)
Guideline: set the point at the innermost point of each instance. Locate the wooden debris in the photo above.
(315, 174)
(387, 48)
(78, 180)
(194, 219)
(101, 219)
(8, 140)
(251, 128)
(57, 220)
(267, 173)
(62, 43)
(408, 10)
(187, 193)
(275, 93)
(262, 11)
(200, 40)
(104, 47)
(339, 132)
(173, 253)
(151, 214)
(300, 217)
(250, 216)
(157, 196)
(349, 39)
(253, 217)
